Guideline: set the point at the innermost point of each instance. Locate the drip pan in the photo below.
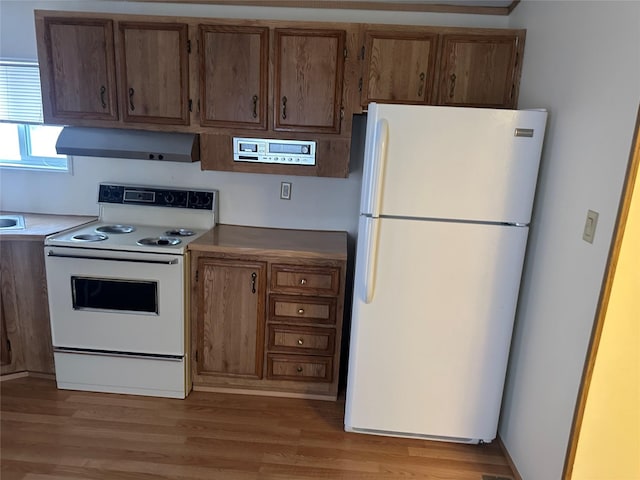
(160, 241)
(89, 237)
(180, 232)
(116, 229)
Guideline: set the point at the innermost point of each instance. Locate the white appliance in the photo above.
(446, 201)
(117, 291)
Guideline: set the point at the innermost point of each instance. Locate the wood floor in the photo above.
(50, 434)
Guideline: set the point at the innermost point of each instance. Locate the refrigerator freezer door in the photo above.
(428, 354)
(454, 163)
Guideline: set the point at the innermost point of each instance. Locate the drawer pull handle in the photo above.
(300, 341)
(303, 281)
(301, 311)
(299, 369)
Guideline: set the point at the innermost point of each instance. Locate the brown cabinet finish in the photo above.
(233, 76)
(399, 67)
(479, 70)
(25, 308)
(302, 310)
(297, 339)
(230, 317)
(77, 69)
(299, 368)
(305, 279)
(300, 331)
(309, 69)
(154, 72)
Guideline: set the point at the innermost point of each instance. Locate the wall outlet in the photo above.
(590, 226)
(285, 190)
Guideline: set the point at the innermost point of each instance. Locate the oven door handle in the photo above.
(173, 261)
(117, 354)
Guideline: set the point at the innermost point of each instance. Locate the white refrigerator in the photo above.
(446, 202)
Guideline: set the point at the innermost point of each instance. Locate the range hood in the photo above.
(133, 144)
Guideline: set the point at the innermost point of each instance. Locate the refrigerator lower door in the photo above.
(429, 347)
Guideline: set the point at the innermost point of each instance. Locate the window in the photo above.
(24, 141)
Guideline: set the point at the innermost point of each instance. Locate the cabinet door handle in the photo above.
(284, 108)
(255, 106)
(453, 85)
(421, 88)
(103, 90)
(253, 282)
(301, 311)
(131, 92)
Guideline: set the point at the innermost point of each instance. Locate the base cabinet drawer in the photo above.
(294, 339)
(299, 367)
(305, 279)
(298, 309)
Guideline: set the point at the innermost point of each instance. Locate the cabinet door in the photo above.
(77, 68)
(399, 67)
(231, 316)
(478, 70)
(309, 66)
(154, 73)
(5, 344)
(233, 76)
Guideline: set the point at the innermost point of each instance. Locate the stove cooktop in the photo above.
(144, 219)
(147, 238)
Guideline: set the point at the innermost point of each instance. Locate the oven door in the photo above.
(124, 302)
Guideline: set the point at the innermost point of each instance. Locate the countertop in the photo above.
(39, 225)
(273, 241)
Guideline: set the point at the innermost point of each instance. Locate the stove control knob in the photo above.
(169, 198)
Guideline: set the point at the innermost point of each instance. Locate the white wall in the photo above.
(582, 62)
(246, 199)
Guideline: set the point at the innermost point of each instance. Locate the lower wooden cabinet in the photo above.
(230, 323)
(267, 323)
(25, 331)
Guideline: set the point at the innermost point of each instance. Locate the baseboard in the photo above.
(13, 376)
(516, 474)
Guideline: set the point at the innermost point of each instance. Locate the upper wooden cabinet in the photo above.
(154, 72)
(479, 70)
(399, 67)
(309, 69)
(454, 67)
(233, 76)
(77, 69)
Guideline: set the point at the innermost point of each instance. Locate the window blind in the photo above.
(20, 100)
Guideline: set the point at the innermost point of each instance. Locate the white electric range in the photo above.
(117, 291)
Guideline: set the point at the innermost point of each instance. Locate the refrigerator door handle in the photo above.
(381, 162)
(372, 259)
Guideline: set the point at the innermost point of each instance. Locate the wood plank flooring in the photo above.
(50, 434)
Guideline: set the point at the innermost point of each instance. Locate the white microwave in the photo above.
(267, 150)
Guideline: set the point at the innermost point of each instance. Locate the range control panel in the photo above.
(266, 150)
(161, 197)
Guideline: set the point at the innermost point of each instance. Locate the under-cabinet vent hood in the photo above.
(133, 144)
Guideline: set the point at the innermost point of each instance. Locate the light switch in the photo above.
(590, 226)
